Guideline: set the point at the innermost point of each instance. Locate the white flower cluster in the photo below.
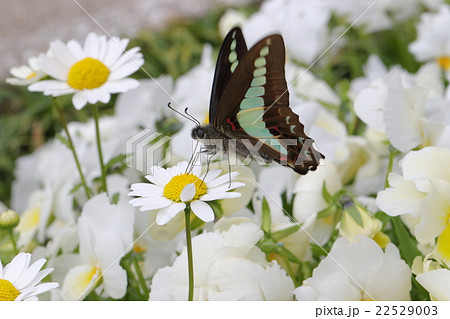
(384, 130)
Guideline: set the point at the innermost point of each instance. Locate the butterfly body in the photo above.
(249, 107)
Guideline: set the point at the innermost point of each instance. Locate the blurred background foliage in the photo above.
(27, 119)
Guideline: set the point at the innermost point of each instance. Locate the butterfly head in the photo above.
(206, 132)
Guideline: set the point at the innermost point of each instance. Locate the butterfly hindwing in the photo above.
(232, 51)
(255, 106)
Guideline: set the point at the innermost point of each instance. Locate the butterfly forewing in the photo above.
(255, 106)
(232, 51)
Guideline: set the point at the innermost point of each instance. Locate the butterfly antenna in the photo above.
(193, 119)
(208, 162)
(190, 117)
(229, 171)
(193, 157)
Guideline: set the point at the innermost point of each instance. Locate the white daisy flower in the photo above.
(19, 280)
(92, 72)
(172, 188)
(26, 74)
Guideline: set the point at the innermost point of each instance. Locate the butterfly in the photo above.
(249, 107)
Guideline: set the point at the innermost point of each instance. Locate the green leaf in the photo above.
(330, 210)
(115, 160)
(269, 246)
(353, 211)
(326, 195)
(266, 223)
(406, 242)
(280, 234)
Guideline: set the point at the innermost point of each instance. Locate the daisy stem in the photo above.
(187, 216)
(13, 241)
(99, 147)
(87, 190)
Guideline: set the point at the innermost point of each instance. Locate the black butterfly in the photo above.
(249, 106)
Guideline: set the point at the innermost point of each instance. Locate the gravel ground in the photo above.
(27, 27)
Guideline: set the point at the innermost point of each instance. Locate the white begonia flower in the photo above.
(92, 72)
(227, 266)
(358, 271)
(42, 188)
(411, 110)
(172, 188)
(433, 42)
(106, 234)
(423, 192)
(299, 22)
(373, 16)
(308, 201)
(26, 74)
(19, 280)
(437, 283)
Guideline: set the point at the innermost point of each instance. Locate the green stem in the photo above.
(288, 266)
(99, 147)
(187, 216)
(87, 190)
(390, 164)
(140, 277)
(13, 241)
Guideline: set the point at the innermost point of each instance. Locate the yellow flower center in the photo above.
(444, 62)
(443, 245)
(381, 239)
(7, 291)
(88, 73)
(173, 189)
(31, 75)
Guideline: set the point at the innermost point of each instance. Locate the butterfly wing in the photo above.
(232, 51)
(255, 106)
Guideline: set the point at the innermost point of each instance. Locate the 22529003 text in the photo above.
(406, 310)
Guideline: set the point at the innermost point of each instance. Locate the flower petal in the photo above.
(166, 214)
(202, 211)
(188, 192)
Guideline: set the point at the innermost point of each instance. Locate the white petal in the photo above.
(115, 48)
(119, 86)
(51, 86)
(166, 214)
(54, 67)
(211, 175)
(146, 190)
(79, 281)
(62, 53)
(222, 179)
(216, 196)
(161, 175)
(15, 268)
(150, 203)
(131, 54)
(76, 49)
(79, 100)
(125, 70)
(91, 45)
(188, 192)
(29, 275)
(427, 163)
(437, 282)
(202, 211)
(400, 198)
